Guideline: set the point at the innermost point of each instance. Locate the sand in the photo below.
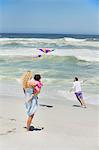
(66, 125)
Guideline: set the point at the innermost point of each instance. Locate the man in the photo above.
(78, 92)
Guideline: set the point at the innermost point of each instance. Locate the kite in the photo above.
(45, 50)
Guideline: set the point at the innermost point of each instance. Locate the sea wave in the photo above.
(54, 43)
(73, 39)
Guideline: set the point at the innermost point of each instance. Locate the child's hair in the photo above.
(26, 76)
(37, 77)
(76, 79)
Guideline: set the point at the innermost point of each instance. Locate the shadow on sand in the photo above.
(76, 106)
(32, 128)
(43, 105)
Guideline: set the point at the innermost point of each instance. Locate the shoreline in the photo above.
(14, 88)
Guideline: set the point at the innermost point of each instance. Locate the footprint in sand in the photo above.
(9, 131)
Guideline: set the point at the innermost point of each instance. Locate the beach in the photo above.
(66, 125)
(60, 123)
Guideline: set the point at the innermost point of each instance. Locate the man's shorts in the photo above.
(79, 95)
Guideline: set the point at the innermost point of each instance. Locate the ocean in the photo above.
(73, 55)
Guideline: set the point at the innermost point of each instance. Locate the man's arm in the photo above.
(72, 88)
(83, 81)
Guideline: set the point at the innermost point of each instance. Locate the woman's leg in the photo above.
(29, 121)
(32, 109)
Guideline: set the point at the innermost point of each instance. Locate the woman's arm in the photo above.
(32, 83)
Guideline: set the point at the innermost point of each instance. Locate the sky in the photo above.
(49, 16)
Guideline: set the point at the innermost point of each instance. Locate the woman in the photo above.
(31, 100)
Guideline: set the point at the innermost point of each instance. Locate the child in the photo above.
(78, 92)
(38, 85)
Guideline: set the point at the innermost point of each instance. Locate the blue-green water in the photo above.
(73, 55)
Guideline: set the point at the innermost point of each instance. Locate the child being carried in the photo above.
(37, 86)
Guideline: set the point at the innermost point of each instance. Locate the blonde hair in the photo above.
(25, 78)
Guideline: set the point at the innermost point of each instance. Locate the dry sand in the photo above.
(66, 127)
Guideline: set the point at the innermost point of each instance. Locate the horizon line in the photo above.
(47, 33)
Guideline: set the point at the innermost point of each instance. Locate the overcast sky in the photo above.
(50, 16)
